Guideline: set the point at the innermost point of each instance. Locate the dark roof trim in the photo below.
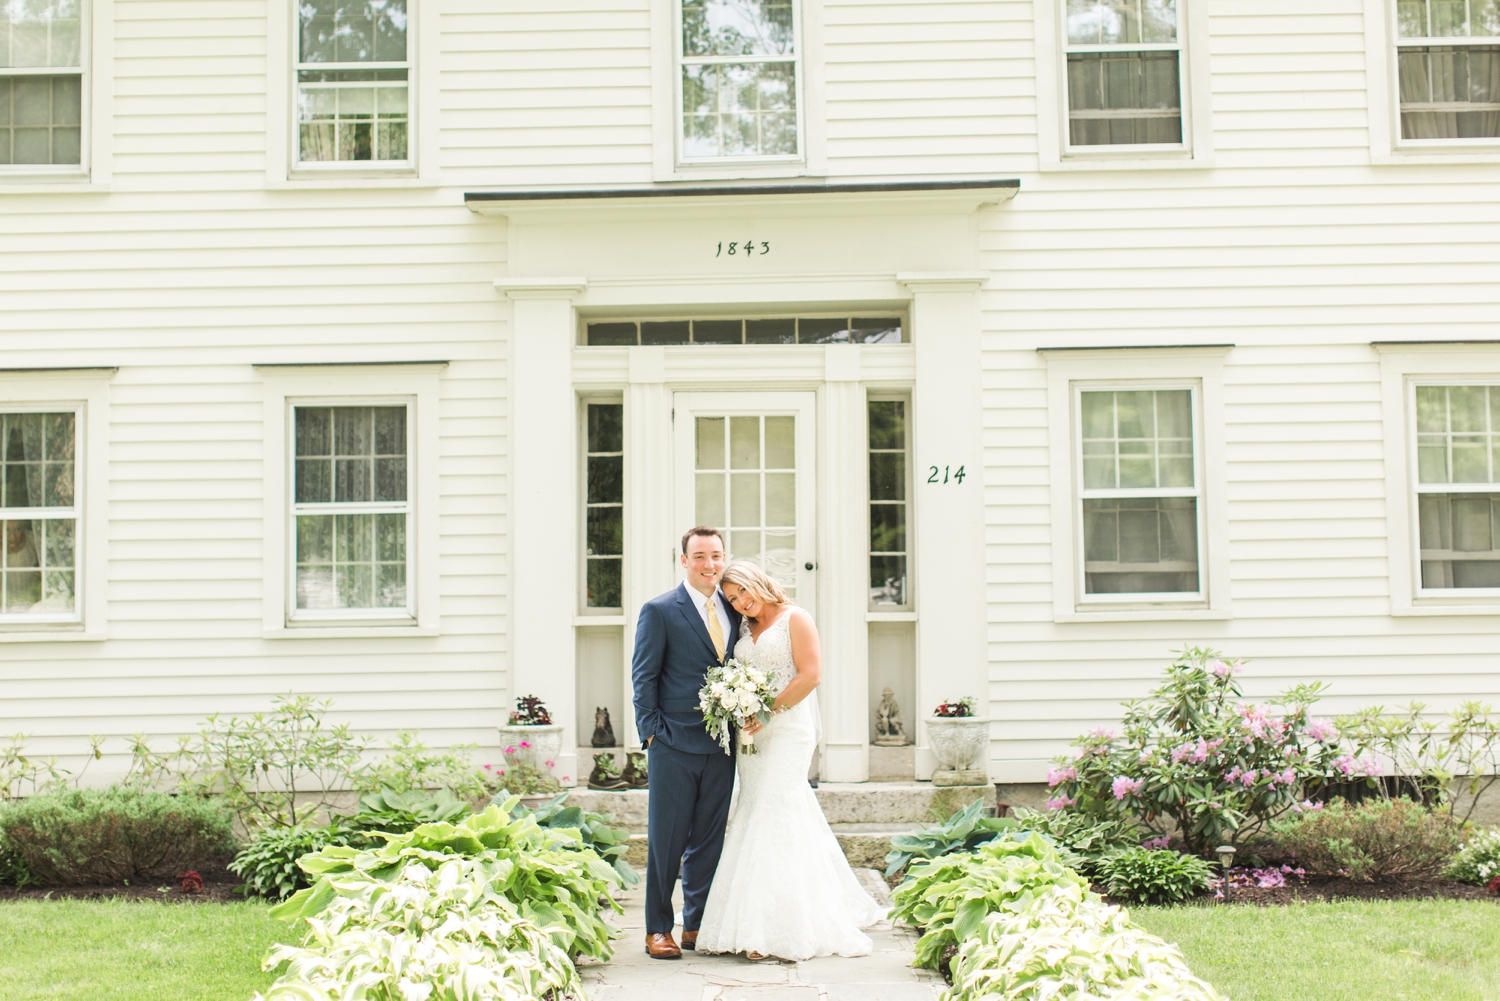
(1377, 344)
(339, 364)
(711, 191)
(1136, 347)
(62, 368)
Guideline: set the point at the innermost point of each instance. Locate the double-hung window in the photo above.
(1140, 506)
(353, 82)
(1458, 486)
(39, 516)
(1448, 67)
(1124, 79)
(351, 512)
(739, 80)
(41, 83)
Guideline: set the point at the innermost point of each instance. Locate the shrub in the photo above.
(522, 777)
(1377, 840)
(1082, 840)
(1160, 876)
(410, 766)
(268, 863)
(1436, 758)
(1478, 861)
(105, 836)
(13, 871)
(19, 773)
(1197, 759)
(593, 832)
(439, 931)
(966, 830)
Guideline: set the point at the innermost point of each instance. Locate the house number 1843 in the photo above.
(743, 248)
(945, 475)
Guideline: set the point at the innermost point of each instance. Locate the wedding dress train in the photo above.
(783, 886)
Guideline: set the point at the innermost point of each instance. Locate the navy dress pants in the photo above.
(689, 803)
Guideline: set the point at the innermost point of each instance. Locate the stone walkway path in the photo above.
(884, 975)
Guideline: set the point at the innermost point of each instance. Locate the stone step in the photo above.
(864, 845)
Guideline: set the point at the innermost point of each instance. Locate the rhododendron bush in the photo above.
(1196, 757)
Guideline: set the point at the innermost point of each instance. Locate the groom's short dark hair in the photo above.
(705, 530)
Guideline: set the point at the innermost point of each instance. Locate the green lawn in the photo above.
(63, 950)
(1428, 950)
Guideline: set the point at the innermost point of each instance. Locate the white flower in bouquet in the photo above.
(731, 696)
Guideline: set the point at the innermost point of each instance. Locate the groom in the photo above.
(678, 636)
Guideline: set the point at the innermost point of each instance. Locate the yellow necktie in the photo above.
(715, 631)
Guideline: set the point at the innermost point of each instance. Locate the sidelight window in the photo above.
(1124, 78)
(739, 79)
(889, 513)
(39, 515)
(604, 505)
(352, 512)
(1458, 485)
(1448, 67)
(41, 83)
(353, 77)
(1140, 502)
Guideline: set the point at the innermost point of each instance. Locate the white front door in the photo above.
(744, 462)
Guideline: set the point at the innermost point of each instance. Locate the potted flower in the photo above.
(519, 777)
(531, 736)
(958, 739)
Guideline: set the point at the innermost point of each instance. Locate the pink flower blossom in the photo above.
(1057, 776)
(1224, 669)
(1059, 802)
(510, 750)
(1307, 806)
(1351, 766)
(1232, 774)
(489, 767)
(1181, 752)
(1126, 787)
(549, 764)
(1248, 779)
(524, 744)
(1157, 843)
(1103, 733)
(1321, 730)
(1287, 777)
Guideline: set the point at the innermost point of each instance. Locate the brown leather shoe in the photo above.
(659, 945)
(689, 941)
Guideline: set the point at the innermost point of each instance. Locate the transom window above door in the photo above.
(774, 330)
(739, 80)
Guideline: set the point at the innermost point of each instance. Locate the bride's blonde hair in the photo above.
(753, 579)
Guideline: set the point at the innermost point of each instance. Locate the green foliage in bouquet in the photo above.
(1154, 876)
(1478, 861)
(443, 929)
(732, 695)
(949, 896)
(553, 879)
(1378, 840)
(592, 830)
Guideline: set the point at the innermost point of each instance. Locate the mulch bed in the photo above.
(218, 888)
(1318, 888)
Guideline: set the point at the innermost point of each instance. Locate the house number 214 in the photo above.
(945, 475)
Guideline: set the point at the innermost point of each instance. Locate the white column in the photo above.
(948, 515)
(650, 537)
(843, 568)
(544, 524)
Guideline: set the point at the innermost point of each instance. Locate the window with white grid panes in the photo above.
(41, 83)
(351, 512)
(889, 538)
(1458, 485)
(1140, 502)
(604, 504)
(353, 81)
(1448, 68)
(745, 480)
(39, 516)
(739, 79)
(1124, 76)
(766, 330)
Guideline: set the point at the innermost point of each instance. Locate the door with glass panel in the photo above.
(744, 463)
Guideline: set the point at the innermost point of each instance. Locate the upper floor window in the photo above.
(41, 83)
(1124, 78)
(1458, 485)
(353, 81)
(1448, 65)
(39, 511)
(1140, 500)
(739, 82)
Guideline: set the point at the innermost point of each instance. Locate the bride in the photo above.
(783, 887)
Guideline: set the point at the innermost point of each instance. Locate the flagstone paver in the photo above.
(884, 975)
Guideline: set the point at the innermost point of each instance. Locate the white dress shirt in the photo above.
(699, 600)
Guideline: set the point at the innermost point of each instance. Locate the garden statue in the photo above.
(606, 774)
(604, 733)
(888, 729)
(635, 770)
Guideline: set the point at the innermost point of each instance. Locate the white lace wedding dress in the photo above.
(783, 886)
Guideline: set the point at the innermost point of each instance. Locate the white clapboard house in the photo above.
(382, 349)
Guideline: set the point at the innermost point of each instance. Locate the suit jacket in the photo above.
(672, 654)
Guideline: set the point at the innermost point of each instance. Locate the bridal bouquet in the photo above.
(731, 695)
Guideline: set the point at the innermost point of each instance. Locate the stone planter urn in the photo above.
(543, 742)
(958, 742)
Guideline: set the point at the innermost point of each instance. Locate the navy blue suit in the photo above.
(691, 777)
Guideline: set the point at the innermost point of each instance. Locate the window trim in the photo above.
(585, 400)
(85, 392)
(874, 395)
(667, 163)
(325, 616)
(415, 385)
(75, 512)
(64, 171)
(1200, 368)
(1054, 150)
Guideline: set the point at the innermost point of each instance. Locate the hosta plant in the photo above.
(1154, 876)
(443, 931)
(1478, 861)
(1063, 942)
(1080, 839)
(1195, 758)
(268, 862)
(966, 830)
(592, 829)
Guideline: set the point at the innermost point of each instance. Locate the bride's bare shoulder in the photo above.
(799, 616)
